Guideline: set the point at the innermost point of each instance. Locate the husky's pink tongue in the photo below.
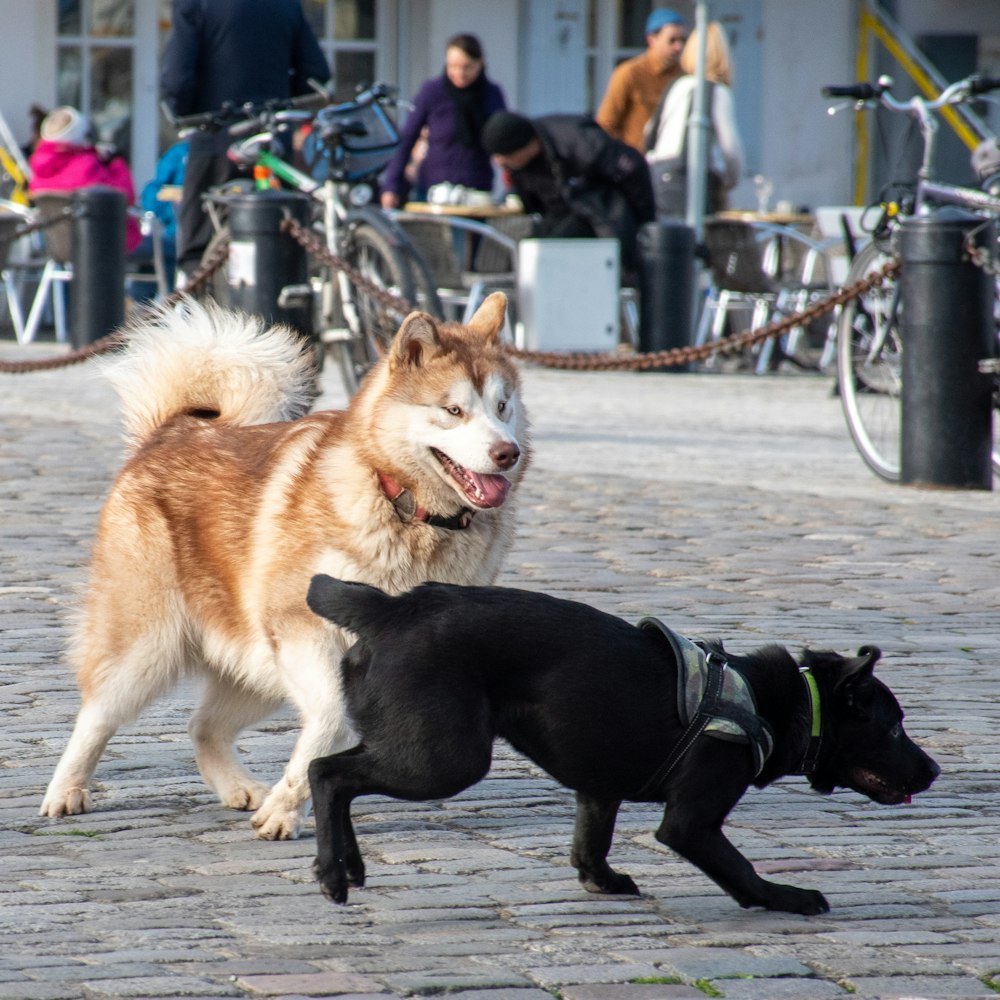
(482, 489)
(486, 491)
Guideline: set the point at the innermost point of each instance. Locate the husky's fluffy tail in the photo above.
(205, 358)
(354, 606)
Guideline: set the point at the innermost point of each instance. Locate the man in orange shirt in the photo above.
(637, 84)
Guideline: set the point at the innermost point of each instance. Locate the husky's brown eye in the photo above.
(455, 411)
(502, 406)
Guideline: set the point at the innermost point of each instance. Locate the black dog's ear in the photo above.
(320, 588)
(855, 670)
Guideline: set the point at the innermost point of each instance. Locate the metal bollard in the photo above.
(97, 244)
(946, 324)
(666, 287)
(268, 271)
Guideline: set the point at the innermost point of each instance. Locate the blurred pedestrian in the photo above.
(668, 146)
(453, 107)
(575, 176)
(636, 85)
(65, 160)
(235, 51)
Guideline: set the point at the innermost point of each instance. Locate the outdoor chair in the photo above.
(767, 270)
(56, 268)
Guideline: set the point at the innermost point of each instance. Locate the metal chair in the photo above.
(467, 258)
(56, 269)
(766, 268)
(12, 217)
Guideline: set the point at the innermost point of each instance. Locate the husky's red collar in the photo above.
(407, 509)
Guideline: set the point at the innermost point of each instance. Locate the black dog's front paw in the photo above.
(355, 870)
(789, 899)
(609, 882)
(333, 880)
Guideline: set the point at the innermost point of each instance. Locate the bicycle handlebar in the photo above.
(881, 91)
(856, 91)
(236, 116)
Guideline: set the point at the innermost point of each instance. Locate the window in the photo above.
(94, 64)
(346, 30)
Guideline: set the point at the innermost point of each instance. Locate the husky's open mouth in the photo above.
(482, 490)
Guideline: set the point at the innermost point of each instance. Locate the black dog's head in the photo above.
(865, 747)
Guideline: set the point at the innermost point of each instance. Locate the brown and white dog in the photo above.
(225, 510)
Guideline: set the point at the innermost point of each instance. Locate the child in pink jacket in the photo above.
(64, 160)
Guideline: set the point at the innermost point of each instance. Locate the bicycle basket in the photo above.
(354, 157)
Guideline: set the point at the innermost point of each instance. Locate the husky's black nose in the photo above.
(504, 454)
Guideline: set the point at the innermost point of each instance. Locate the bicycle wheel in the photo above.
(869, 366)
(387, 294)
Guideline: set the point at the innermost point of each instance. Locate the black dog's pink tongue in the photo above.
(908, 799)
(487, 490)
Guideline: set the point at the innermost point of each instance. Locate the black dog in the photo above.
(440, 672)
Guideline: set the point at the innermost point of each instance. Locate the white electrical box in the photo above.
(567, 294)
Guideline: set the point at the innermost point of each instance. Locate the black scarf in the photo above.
(470, 109)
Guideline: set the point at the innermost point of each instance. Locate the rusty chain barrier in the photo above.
(576, 361)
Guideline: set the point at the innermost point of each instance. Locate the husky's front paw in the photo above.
(65, 802)
(270, 823)
(245, 796)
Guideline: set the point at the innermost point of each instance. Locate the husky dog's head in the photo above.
(447, 405)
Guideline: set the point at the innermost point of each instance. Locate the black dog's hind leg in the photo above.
(595, 826)
(705, 845)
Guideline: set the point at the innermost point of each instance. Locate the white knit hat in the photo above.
(67, 125)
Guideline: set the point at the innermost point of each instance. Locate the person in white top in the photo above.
(669, 127)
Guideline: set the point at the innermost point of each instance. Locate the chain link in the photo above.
(980, 255)
(551, 359)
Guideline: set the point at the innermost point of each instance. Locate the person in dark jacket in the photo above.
(569, 171)
(453, 107)
(238, 51)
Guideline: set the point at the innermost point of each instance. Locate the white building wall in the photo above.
(27, 61)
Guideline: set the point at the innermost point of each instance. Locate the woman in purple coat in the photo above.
(453, 107)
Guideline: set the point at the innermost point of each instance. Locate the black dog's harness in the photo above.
(712, 698)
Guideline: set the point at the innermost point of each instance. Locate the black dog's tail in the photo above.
(354, 606)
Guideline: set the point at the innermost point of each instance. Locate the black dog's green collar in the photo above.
(811, 756)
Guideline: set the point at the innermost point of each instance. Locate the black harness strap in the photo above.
(706, 710)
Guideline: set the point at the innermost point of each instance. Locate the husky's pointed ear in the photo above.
(487, 322)
(417, 340)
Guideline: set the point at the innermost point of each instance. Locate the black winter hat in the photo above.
(506, 132)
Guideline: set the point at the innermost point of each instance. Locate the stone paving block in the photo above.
(630, 991)
(715, 963)
(314, 984)
(921, 988)
(754, 988)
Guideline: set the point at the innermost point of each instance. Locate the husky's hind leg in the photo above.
(114, 689)
(225, 709)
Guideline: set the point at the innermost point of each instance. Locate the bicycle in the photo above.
(347, 145)
(869, 342)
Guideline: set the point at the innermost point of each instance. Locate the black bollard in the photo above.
(946, 325)
(265, 262)
(666, 287)
(97, 245)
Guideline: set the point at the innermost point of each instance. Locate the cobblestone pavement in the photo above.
(728, 505)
